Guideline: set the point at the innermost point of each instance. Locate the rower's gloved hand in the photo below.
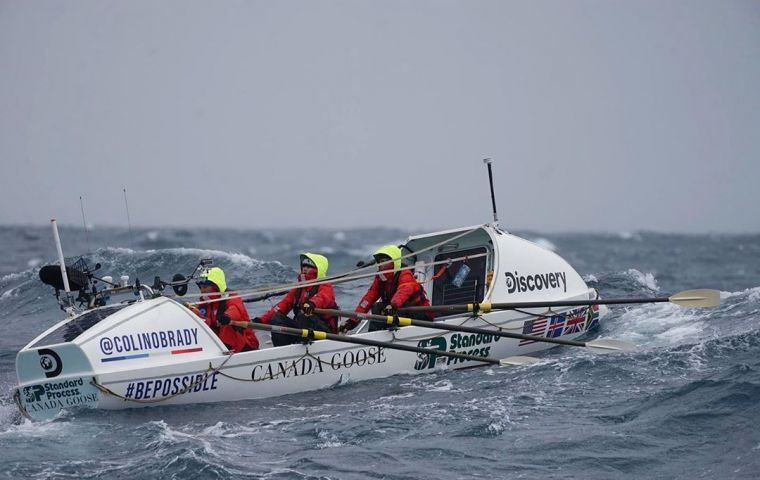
(389, 310)
(257, 320)
(307, 308)
(224, 320)
(347, 325)
(193, 308)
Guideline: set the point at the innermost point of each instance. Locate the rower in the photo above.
(302, 301)
(226, 307)
(391, 289)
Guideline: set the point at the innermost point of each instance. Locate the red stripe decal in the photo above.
(187, 350)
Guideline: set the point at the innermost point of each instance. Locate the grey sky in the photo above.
(600, 115)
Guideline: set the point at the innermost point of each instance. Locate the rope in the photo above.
(245, 293)
(345, 277)
(19, 404)
(209, 371)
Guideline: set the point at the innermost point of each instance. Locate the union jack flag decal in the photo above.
(575, 323)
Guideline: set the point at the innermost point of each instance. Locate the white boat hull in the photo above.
(210, 375)
(157, 352)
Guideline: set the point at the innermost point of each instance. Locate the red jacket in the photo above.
(401, 291)
(236, 339)
(322, 296)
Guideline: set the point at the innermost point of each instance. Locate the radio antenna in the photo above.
(84, 223)
(64, 276)
(131, 238)
(129, 222)
(487, 161)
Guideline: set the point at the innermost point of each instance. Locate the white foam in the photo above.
(235, 258)
(122, 250)
(47, 429)
(753, 294)
(216, 430)
(441, 386)
(590, 278)
(661, 324)
(691, 332)
(339, 236)
(171, 436)
(152, 235)
(13, 276)
(329, 440)
(629, 236)
(34, 262)
(13, 292)
(396, 397)
(224, 430)
(645, 279)
(545, 244)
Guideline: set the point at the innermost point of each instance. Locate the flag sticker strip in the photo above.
(560, 324)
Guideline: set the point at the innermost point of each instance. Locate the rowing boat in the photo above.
(154, 351)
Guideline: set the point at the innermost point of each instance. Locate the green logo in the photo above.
(427, 360)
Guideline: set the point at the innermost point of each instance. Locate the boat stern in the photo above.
(52, 378)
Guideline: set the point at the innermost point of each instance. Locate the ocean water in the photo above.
(685, 404)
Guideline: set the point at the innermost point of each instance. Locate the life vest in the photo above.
(417, 299)
(238, 339)
(331, 321)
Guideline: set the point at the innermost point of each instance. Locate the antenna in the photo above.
(487, 161)
(84, 224)
(129, 222)
(69, 303)
(132, 241)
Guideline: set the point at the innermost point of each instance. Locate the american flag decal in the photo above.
(535, 327)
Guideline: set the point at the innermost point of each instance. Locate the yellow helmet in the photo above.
(319, 261)
(216, 276)
(392, 252)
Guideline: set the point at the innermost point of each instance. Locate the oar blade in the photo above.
(700, 298)
(518, 360)
(609, 346)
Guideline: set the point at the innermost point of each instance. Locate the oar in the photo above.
(596, 346)
(264, 297)
(700, 298)
(308, 334)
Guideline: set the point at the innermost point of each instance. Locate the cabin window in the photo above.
(472, 289)
(77, 326)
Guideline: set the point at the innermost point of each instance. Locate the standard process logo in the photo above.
(539, 281)
(52, 391)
